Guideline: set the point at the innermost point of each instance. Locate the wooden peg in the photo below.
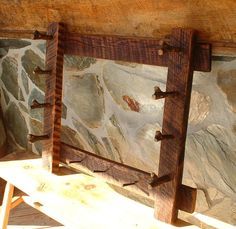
(159, 94)
(156, 181)
(35, 104)
(34, 138)
(159, 136)
(101, 170)
(38, 70)
(77, 161)
(128, 184)
(41, 36)
(165, 47)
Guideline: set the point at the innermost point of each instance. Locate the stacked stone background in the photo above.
(108, 109)
(3, 136)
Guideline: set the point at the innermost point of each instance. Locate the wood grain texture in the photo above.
(2, 189)
(121, 175)
(53, 96)
(215, 19)
(6, 205)
(175, 121)
(186, 199)
(78, 200)
(131, 49)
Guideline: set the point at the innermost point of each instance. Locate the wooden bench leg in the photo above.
(6, 206)
(2, 189)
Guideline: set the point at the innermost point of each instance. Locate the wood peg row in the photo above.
(35, 104)
(41, 36)
(159, 136)
(156, 181)
(159, 94)
(38, 70)
(34, 138)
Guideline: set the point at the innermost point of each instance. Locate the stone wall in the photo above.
(108, 109)
(3, 137)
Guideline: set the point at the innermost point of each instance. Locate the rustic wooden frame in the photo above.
(182, 56)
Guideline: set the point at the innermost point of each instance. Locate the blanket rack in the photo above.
(178, 51)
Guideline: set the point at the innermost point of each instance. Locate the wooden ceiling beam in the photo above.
(214, 19)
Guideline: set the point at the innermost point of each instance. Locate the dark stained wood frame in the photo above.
(53, 95)
(182, 57)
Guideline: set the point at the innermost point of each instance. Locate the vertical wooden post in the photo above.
(175, 121)
(6, 206)
(53, 96)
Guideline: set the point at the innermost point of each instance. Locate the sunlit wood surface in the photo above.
(75, 200)
(26, 217)
(215, 19)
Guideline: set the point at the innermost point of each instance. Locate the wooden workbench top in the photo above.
(77, 200)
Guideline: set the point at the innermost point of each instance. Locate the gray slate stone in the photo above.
(42, 47)
(36, 113)
(6, 44)
(23, 107)
(36, 128)
(3, 52)
(227, 82)
(71, 137)
(84, 96)
(6, 97)
(25, 81)
(10, 76)
(16, 123)
(14, 43)
(3, 137)
(90, 138)
(64, 111)
(211, 159)
(77, 62)
(130, 90)
(30, 61)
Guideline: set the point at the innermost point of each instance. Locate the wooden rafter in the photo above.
(215, 19)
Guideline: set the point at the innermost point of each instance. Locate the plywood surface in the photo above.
(78, 201)
(216, 19)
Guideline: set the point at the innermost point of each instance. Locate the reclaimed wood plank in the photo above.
(53, 96)
(131, 49)
(150, 18)
(175, 121)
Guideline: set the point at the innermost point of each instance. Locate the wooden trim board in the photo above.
(53, 96)
(138, 50)
(175, 121)
(214, 19)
